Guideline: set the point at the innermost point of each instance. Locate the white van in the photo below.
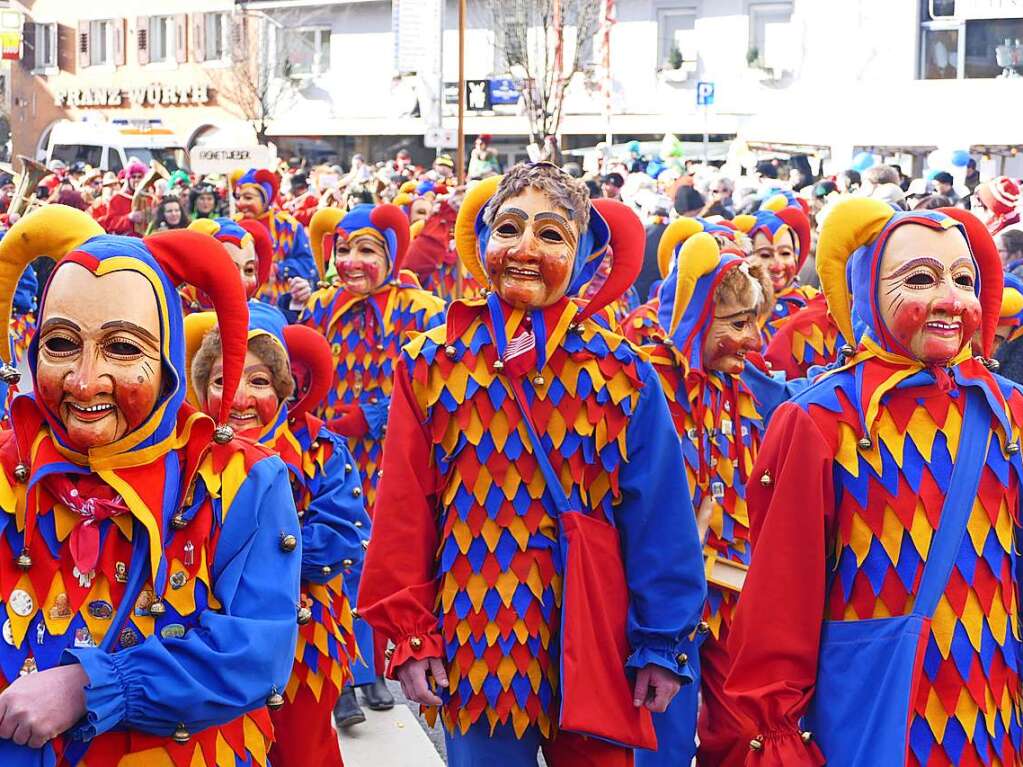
(110, 144)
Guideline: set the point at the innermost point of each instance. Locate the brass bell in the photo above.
(21, 472)
(355, 614)
(326, 570)
(223, 434)
(702, 627)
(806, 735)
(682, 659)
(357, 492)
(847, 350)
(181, 735)
(304, 615)
(315, 445)
(9, 374)
(766, 479)
(1012, 448)
(275, 701)
(348, 467)
(756, 743)
(415, 643)
(450, 351)
(24, 560)
(380, 347)
(178, 521)
(365, 544)
(539, 380)
(380, 474)
(347, 562)
(865, 443)
(575, 327)
(157, 608)
(322, 284)
(358, 523)
(992, 364)
(669, 342)
(498, 365)
(288, 542)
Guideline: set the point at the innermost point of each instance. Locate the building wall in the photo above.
(146, 90)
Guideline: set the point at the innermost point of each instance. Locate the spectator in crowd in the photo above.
(720, 192)
(612, 185)
(169, 215)
(943, 185)
(849, 181)
(483, 160)
(972, 178)
(688, 202)
(1010, 248)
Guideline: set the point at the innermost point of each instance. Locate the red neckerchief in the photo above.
(93, 501)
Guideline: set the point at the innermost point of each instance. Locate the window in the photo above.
(771, 41)
(953, 47)
(161, 39)
(940, 53)
(214, 36)
(101, 42)
(45, 39)
(676, 36)
(511, 41)
(72, 153)
(303, 52)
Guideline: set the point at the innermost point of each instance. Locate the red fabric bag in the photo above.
(596, 693)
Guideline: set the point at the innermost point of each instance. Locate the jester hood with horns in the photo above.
(366, 331)
(881, 608)
(334, 522)
(152, 558)
(468, 558)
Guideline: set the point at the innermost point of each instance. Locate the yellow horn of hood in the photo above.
(54, 231)
(465, 226)
(850, 224)
(677, 232)
(323, 222)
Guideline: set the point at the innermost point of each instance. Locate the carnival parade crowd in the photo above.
(631, 467)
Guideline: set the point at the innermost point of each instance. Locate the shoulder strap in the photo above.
(971, 456)
(539, 451)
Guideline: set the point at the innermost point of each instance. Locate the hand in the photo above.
(38, 707)
(703, 517)
(300, 290)
(412, 675)
(655, 687)
(136, 216)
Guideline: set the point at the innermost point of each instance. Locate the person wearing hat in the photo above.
(327, 490)
(712, 301)
(247, 243)
(527, 558)
(611, 185)
(302, 202)
(257, 190)
(877, 624)
(203, 201)
(119, 217)
(996, 203)
(151, 565)
(444, 169)
(780, 232)
(944, 185)
(483, 160)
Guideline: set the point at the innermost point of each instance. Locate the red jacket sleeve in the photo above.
(351, 424)
(775, 638)
(116, 220)
(398, 590)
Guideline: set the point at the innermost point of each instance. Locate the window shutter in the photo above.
(120, 32)
(181, 37)
(29, 42)
(199, 37)
(142, 39)
(83, 44)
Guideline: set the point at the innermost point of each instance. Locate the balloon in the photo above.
(932, 173)
(960, 157)
(940, 159)
(863, 160)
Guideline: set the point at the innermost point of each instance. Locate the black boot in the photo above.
(377, 696)
(347, 711)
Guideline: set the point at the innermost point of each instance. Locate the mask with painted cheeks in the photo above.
(780, 258)
(927, 292)
(244, 258)
(255, 403)
(733, 332)
(250, 202)
(99, 366)
(419, 210)
(531, 250)
(361, 262)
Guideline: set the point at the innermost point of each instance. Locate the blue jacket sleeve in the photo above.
(299, 261)
(661, 547)
(330, 537)
(25, 293)
(233, 659)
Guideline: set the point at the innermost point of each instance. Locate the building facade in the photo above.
(166, 65)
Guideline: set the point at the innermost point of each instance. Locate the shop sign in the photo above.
(151, 95)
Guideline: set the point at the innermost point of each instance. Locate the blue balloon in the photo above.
(863, 160)
(960, 157)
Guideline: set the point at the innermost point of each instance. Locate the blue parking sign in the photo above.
(704, 94)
